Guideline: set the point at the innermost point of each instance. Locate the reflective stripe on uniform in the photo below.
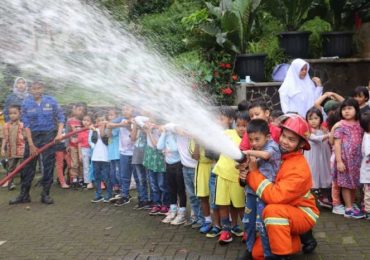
(276, 221)
(262, 187)
(310, 213)
(307, 195)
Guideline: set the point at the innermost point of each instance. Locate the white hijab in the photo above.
(293, 84)
(19, 94)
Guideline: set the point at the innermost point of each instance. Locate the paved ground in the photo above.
(74, 228)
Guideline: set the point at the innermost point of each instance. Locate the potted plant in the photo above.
(228, 29)
(341, 15)
(292, 14)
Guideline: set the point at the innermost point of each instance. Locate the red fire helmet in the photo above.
(298, 125)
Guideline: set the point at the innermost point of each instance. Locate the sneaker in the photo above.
(352, 213)
(197, 225)
(97, 199)
(356, 207)
(205, 228)
(106, 200)
(164, 210)
(11, 186)
(339, 209)
(179, 219)
(215, 232)
(237, 231)
(225, 237)
(190, 222)
(122, 201)
(244, 237)
(141, 205)
(367, 216)
(324, 203)
(170, 216)
(155, 210)
(115, 198)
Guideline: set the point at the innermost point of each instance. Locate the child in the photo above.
(275, 114)
(139, 137)
(225, 119)
(347, 147)
(113, 149)
(126, 148)
(258, 109)
(85, 151)
(155, 164)
(365, 164)
(13, 144)
(175, 179)
(229, 195)
(73, 124)
(318, 157)
(99, 143)
(269, 157)
(61, 157)
(361, 94)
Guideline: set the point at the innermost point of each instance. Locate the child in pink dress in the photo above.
(347, 148)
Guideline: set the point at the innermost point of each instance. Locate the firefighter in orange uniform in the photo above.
(291, 210)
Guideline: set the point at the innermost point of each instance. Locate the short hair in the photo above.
(243, 115)
(258, 126)
(361, 90)
(365, 121)
(259, 103)
(228, 112)
(100, 114)
(315, 110)
(276, 113)
(350, 102)
(243, 105)
(18, 107)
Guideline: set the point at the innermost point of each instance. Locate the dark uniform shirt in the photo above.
(42, 117)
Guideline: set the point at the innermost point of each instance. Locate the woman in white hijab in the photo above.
(20, 92)
(298, 91)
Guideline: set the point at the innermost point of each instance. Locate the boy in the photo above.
(258, 109)
(268, 155)
(14, 140)
(361, 94)
(229, 195)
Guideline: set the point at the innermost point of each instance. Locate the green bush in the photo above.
(316, 26)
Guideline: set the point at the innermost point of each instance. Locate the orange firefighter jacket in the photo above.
(292, 185)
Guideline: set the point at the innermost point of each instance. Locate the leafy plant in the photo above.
(228, 26)
(292, 14)
(316, 26)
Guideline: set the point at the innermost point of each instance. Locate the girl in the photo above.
(347, 147)
(14, 140)
(85, 151)
(16, 98)
(168, 145)
(318, 157)
(298, 91)
(154, 162)
(99, 143)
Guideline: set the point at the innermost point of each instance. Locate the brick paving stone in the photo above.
(74, 228)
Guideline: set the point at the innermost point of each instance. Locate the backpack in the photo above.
(279, 72)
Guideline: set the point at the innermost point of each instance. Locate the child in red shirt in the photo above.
(258, 109)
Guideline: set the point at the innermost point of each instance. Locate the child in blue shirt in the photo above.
(269, 158)
(168, 145)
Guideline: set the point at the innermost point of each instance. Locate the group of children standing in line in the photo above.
(170, 167)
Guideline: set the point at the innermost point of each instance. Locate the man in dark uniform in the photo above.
(43, 120)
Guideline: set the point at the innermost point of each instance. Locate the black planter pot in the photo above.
(252, 65)
(337, 44)
(295, 44)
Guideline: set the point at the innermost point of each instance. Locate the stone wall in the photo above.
(338, 75)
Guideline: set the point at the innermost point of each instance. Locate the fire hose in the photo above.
(40, 150)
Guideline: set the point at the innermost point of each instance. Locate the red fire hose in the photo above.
(46, 146)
